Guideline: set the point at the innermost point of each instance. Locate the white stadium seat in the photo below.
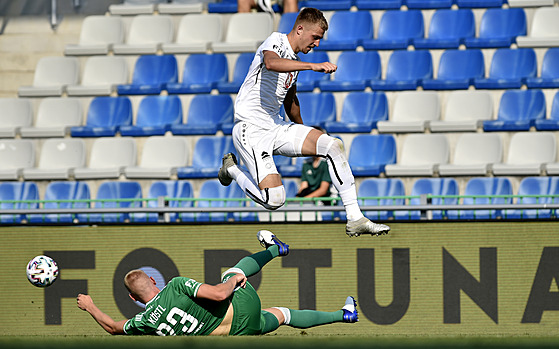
(55, 117)
(15, 155)
(98, 35)
(100, 77)
(474, 155)
(528, 154)
(464, 111)
(195, 34)
(544, 30)
(59, 156)
(14, 114)
(413, 110)
(421, 155)
(146, 35)
(182, 7)
(135, 7)
(52, 75)
(109, 156)
(161, 156)
(245, 32)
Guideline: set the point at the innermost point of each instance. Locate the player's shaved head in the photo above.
(312, 16)
(138, 283)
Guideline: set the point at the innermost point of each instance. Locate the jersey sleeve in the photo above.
(136, 325)
(272, 43)
(187, 286)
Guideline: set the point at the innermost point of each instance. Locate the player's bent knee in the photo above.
(326, 144)
(274, 197)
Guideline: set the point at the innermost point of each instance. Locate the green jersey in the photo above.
(315, 175)
(176, 311)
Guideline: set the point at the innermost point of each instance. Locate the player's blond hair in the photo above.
(313, 16)
(137, 282)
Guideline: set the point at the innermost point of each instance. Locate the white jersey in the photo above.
(262, 94)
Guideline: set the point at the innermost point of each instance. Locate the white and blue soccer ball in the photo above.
(42, 271)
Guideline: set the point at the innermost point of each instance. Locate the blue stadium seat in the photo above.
(291, 169)
(457, 70)
(56, 194)
(355, 71)
(104, 117)
(360, 113)
(518, 111)
(549, 77)
(206, 158)
(202, 72)
(206, 114)
(108, 196)
(477, 192)
(155, 116)
(369, 154)
(509, 69)
(17, 191)
(432, 186)
(448, 29)
(499, 28)
(378, 4)
(224, 6)
(242, 65)
(378, 190)
(327, 5)
(536, 189)
(405, 71)
(291, 187)
(151, 75)
(397, 30)
(287, 21)
(307, 80)
(429, 4)
(551, 124)
(168, 189)
(347, 30)
(212, 189)
(480, 3)
(317, 108)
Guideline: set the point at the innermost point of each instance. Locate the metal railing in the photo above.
(162, 209)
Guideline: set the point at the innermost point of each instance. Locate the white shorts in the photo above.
(256, 146)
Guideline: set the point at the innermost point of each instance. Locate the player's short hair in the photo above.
(135, 279)
(313, 16)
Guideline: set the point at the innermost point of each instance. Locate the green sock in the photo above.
(252, 264)
(310, 318)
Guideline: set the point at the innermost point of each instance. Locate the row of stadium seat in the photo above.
(133, 7)
(348, 30)
(374, 192)
(475, 154)
(357, 71)
(361, 112)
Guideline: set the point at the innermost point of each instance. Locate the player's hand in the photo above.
(325, 67)
(84, 301)
(240, 280)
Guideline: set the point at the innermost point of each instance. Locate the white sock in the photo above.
(340, 173)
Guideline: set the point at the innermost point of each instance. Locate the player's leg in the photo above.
(255, 147)
(307, 318)
(252, 264)
(318, 143)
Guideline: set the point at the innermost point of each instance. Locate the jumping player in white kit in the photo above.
(261, 132)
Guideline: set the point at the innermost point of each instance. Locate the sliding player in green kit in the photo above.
(188, 307)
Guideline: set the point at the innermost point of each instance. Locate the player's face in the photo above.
(311, 34)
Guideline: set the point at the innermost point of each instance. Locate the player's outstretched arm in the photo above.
(273, 62)
(113, 327)
(222, 291)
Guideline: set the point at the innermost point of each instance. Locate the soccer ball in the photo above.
(42, 271)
